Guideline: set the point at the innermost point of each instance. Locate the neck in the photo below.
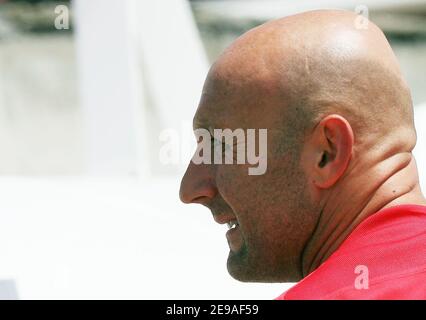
(396, 182)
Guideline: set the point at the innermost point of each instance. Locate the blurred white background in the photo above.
(87, 210)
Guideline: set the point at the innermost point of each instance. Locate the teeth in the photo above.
(232, 224)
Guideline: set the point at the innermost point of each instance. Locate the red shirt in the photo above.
(383, 258)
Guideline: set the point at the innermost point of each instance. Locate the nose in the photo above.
(198, 184)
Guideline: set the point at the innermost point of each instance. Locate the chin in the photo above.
(242, 269)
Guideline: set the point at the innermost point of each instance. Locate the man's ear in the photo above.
(331, 150)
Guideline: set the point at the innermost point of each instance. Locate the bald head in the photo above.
(300, 68)
(339, 118)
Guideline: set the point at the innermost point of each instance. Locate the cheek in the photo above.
(240, 191)
(236, 186)
(256, 200)
(270, 207)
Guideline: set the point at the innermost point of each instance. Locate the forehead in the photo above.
(233, 98)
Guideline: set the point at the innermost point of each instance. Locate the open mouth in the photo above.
(232, 224)
(234, 236)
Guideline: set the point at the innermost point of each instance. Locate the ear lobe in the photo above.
(333, 145)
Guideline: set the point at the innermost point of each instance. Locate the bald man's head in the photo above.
(335, 106)
(317, 63)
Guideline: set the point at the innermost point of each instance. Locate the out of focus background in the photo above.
(96, 104)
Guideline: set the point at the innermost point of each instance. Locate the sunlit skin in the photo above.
(340, 135)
